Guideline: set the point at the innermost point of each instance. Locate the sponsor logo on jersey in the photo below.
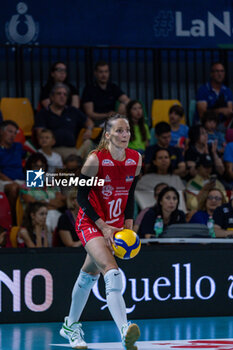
(107, 190)
(130, 162)
(107, 179)
(129, 178)
(122, 192)
(107, 162)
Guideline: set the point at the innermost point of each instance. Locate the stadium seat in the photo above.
(13, 236)
(95, 132)
(19, 110)
(159, 111)
(19, 211)
(5, 212)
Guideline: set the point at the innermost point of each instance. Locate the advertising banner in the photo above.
(118, 23)
(181, 280)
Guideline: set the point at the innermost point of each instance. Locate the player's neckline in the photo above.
(117, 160)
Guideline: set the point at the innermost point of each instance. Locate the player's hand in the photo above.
(108, 232)
(128, 224)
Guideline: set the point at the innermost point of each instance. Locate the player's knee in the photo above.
(85, 281)
(113, 281)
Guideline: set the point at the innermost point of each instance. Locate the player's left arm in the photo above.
(129, 210)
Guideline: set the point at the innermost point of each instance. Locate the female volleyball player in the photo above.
(103, 211)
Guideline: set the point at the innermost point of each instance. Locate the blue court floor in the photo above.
(188, 333)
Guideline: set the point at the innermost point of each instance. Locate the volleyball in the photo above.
(127, 243)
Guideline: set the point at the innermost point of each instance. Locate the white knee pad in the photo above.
(113, 281)
(85, 281)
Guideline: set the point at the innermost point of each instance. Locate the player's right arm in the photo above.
(90, 168)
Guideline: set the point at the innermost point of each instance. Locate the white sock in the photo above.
(115, 301)
(80, 294)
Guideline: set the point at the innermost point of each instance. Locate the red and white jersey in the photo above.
(109, 201)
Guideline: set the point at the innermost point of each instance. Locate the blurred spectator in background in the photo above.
(58, 74)
(99, 99)
(209, 201)
(11, 170)
(223, 218)
(157, 189)
(210, 122)
(228, 160)
(66, 233)
(202, 182)
(65, 123)
(163, 136)
(33, 232)
(50, 195)
(198, 145)
(160, 171)
(229, 132)
(166, 209)
(72, 165)
(4, 238)
(6, 222)
(179, 132)
(215, 96)
(46, 141)
(140, 134)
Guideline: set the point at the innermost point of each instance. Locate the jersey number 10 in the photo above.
(115, 208)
